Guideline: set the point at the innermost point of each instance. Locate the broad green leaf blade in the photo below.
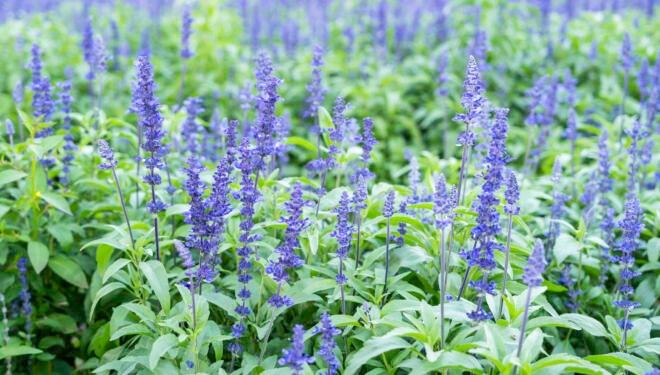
(38, 254)
(114, 267)
(372, 348)
(56, 201)
(157, 278)
(104, 291)
(160, 347)
(17, 350)
(10, 175)
(68, 270)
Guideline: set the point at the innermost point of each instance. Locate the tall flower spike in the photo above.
(488, 227)
(328, 332)
(191, 129)
(474, 103)
(70, 147)
(26, 298)
(265, 103)
(636, 134)
(287, 258)
(296, 357)
(186, 24)
(343, 233)
(388, 211)
(88, 49)
(631, 226)
(150, 120)
(315, 88)
(247, 195)
(557, 209)
(533, 277)
(627, 60)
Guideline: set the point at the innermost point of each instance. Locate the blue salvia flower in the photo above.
(655, 371)
(571, 132)
(287, 258)
(537, 94)
(105, 151)
(593, 51)
(402, 227)
(380, 28)
(115, 45)
(368, 142)
(248, 196)
(442, 77)
(475, 105)
(644, 80)
(569, 85)
(558, 207)
(191, 129)
(187, 261)
(296, 357)
(42, 104)
(214, 140)
(266, 100)
(388, 206)
(511, 195)
(146, 106)
(282, 132)
(636, 134)
(533, 277)
(315, 88)
(631, 227)
(473, 101)
(69, 146)
(26, 298)
(186, 24)
(488, 227)
(548, 105)
(413, 180)
(566, 279)
(604, 165)
(328, 332)
(442, 203)
(337, 134)
(343, 233)
(627, 60)
(101, 57)
(88, 49)
(196, 216)
(590, 198)
(9, 130)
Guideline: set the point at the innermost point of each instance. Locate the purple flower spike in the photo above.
(296, 357)
(328, 333)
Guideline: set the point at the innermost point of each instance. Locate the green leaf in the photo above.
(10, 175)
(566, 246)
(104, 291)
(372, 348)
(588, 324)
(68, 270)
(301, 142)
(157, 278)
(160, 347)
(114, 267)
(59, 322)
(56, 201)
(17, 350)
(38, 254)
(446, 360)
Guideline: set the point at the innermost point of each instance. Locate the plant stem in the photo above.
(524, 322)
(443, 287)
(123, 207)
(270, 327)
(387, 260)
(357, 243)
(465, 277)
(343, 297)
(507, 254)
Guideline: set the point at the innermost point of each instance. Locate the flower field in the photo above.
(330, 187)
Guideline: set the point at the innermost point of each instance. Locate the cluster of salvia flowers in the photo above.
(207, 213)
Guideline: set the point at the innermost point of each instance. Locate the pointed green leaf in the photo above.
(68, 270)
(160, 347)
(38, 254)
(157, 278)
